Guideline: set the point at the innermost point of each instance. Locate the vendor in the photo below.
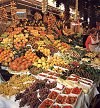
(92, 42)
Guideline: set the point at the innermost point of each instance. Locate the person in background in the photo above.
(92, 42)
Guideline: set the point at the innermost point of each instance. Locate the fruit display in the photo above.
(61, 99)
(7, 43)
(29, 55)
(96, 61)
(49, 75)
(45, 51)
(52, 48)
(33, 41)
(35, 51)
(20, 64)
(6, 56)
(56, 60)
(83, 70)
(68, 32)
(73, 53)
(57, 69)
(76, 90)
(56, 106)
(67, 90)
(67, 58)
(91, 54)
(16, 84)
(71, 99)
(43, 63)
(20, 41)
(61, 46)
(35, 70)
(53, 95)
(73, 79)
(41, 43)
(1, 49)
(36, 93)
(67, 106)
(46, 103)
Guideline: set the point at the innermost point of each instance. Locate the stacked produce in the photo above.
(68, 32)
(7, 43)
(45, 51)
(43, 63)
(35, 70)
(61, 46)
(32, 41)
(56, 77)
(20, 64)
(52, 49)
(6, 56)
(29, 55)
(67, 58)
(20, 41)
(16, 84)
(93, 58)
(73, 53)
(96, 61)
(1, 49)
(36, 93)
(61, 98)
(3, 36)
(56, 60)
(83, 70)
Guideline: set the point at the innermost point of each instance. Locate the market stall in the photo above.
(46, 65)
(46, 69)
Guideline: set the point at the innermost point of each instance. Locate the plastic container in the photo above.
(67, 90)
(46, 103)
(61, 99)
(53, 95)
(56, 105)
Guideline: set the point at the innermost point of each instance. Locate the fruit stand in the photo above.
(47, 72)
(47, 68)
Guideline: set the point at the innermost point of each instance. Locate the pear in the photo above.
(43, 59)
(35, 63)
(39, 65)
(39, 61)
(43, 63)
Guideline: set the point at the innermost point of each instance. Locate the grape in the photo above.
(26, 91)
(38, 102)
(51, 85)
(41, 84)
(43, 97)
(29, 96)
(43, 91)
(22, 102)
(19, 96)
